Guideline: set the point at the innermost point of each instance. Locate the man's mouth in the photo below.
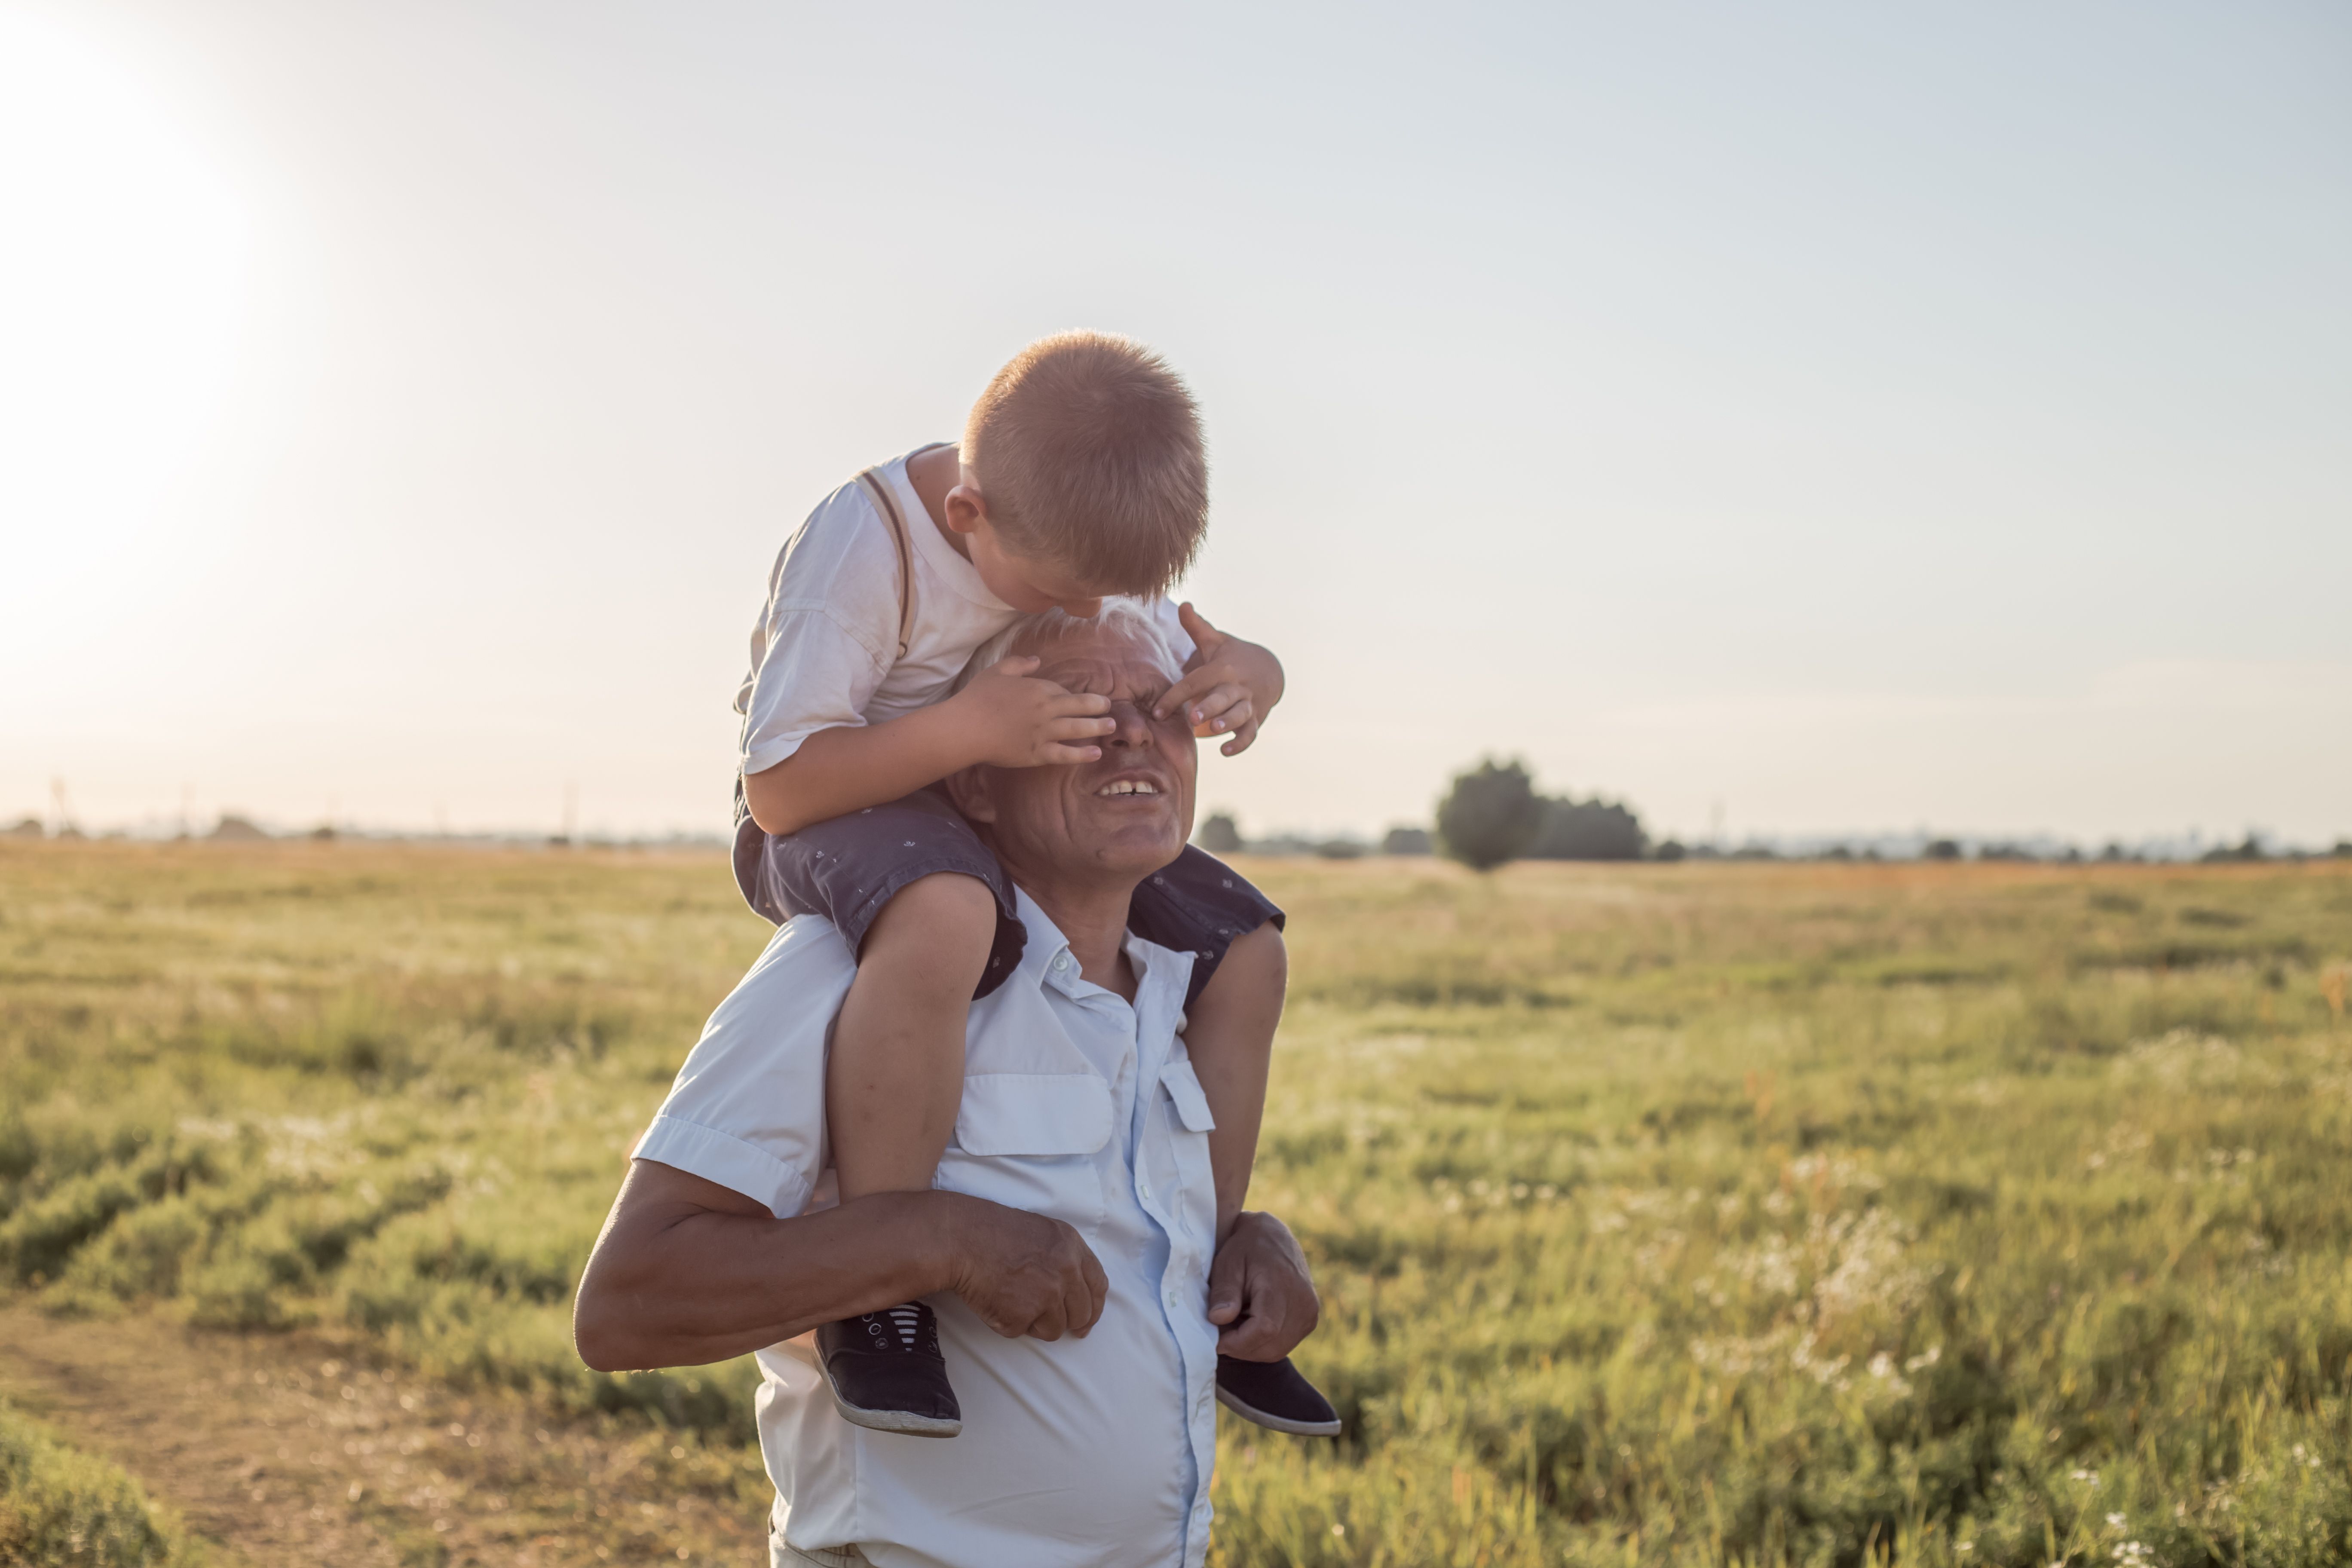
(1130, 786)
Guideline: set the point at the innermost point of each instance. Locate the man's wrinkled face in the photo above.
(1131, 810)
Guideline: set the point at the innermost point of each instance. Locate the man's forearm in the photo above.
(850, 767)
(754, 1280)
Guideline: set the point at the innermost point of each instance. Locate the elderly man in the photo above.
(1068, 1240)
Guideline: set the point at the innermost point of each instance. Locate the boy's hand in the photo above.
(1019, 721)
(1231, 686)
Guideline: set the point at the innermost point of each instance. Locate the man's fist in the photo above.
(1260, 1291)
(1025, 1274)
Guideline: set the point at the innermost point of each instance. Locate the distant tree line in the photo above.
(1493, 814)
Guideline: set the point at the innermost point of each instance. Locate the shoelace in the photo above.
(908, 1320)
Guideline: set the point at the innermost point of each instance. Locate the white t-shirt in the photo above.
(824, 652)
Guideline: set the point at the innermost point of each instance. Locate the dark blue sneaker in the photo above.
(886, 1372)
(1275, 1395)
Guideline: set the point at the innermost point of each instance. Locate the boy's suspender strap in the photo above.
(879, 489)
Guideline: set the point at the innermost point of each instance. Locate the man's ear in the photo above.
(966, 508)
(971, 795)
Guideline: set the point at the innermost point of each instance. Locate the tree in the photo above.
(1402, 840)
(1940, 849)
(1490, 815)
(1220, 834)
(1592, 829)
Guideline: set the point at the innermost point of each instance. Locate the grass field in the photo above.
(1774, 1214)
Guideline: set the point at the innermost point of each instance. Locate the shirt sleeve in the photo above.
(747, 1110)
(827, 635)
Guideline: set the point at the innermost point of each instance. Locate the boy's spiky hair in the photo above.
(1087, 449)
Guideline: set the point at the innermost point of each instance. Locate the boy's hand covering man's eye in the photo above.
(1021, 722)
(1232, 685)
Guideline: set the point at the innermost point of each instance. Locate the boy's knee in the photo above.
(942, 920)
(1257, 959)
(1262, 948)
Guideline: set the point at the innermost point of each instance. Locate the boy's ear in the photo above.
(966, 508)
(969, 792)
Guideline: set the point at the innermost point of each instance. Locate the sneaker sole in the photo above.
(905, 1423)
(1276, 1423)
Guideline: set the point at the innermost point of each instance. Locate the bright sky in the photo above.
(1838, 415)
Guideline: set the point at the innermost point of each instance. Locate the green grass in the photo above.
(387, 1091)
(59, 1506)
(1955, 1214)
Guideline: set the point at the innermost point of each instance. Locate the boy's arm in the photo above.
(1005, 717)
(1232, 685)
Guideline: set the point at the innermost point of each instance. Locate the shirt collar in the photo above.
(1046, 960)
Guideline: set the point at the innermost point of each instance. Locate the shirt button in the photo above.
(1061, 961)
(1143, 1189)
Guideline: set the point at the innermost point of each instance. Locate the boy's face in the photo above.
(1026, 583)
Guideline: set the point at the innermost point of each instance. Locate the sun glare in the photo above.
(121, 303)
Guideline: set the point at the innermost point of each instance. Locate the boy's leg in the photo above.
(1231, 1042)
(1230, 1038)
(1240, 971)
(928, 912)
(892, 1083)
(896, 1075)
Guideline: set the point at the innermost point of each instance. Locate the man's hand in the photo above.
(1260, 1291)
(1016, 720)
(1025, 1274)
(1231, 686)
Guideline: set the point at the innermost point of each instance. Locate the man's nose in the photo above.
(1131, 725)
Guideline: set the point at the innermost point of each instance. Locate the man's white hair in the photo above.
(1130, 618)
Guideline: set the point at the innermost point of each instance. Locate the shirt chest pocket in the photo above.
(1029, 1140)
(1191, 1106)
(1176, 1161)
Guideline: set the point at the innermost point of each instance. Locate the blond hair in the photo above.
(1087, 449)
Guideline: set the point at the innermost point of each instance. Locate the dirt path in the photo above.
(293, 1454)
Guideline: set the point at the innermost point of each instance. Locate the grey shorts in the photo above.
(847, 868)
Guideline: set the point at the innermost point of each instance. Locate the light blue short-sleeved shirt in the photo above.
(1084, 1453)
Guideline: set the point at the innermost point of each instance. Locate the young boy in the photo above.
(1081, 476)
